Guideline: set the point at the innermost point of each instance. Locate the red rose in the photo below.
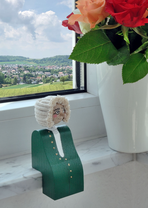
(75, 27)
(130, 13)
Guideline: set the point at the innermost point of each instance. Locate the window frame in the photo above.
(61, 92)
(76, 70)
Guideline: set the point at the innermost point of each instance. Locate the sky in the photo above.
(33, 28)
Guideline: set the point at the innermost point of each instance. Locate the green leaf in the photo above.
(146, 53)
(145, 28)
(135, 69)
(140, 32)
(141, 48)
(121, 57)
(94, 47)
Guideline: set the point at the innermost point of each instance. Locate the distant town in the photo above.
(13, 74)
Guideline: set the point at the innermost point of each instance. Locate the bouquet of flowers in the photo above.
(113, 31)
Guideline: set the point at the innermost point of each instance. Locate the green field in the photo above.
(21, 86)
(25, 89)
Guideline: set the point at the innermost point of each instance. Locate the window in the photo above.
(34, 51)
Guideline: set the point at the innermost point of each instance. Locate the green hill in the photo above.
(60, 60)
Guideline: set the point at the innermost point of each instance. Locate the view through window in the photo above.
(34, 47)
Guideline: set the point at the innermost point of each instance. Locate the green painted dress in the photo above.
(62, 176)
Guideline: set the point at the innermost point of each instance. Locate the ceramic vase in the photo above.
(125, 109)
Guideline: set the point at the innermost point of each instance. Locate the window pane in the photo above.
(34, 47)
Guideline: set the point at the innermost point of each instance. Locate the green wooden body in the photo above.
(62, 176)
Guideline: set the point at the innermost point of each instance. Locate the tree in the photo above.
(24, 78)
(14, 81)
(48, 80)
(52, 71)
(7, 80)
(62, 79)
(68, 78)
(69, 71)
(2, 77)
(28, 81)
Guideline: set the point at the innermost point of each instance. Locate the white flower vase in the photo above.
(125, 110)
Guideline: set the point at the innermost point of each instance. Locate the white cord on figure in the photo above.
(58, 140)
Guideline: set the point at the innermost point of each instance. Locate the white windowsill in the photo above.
(30, 103)
(25, 108)
(17, 175)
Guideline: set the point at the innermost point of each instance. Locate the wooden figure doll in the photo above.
(53, 150)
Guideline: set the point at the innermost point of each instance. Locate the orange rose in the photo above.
(145, 14)
(92, 12)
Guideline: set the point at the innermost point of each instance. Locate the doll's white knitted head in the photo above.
(45, 110)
